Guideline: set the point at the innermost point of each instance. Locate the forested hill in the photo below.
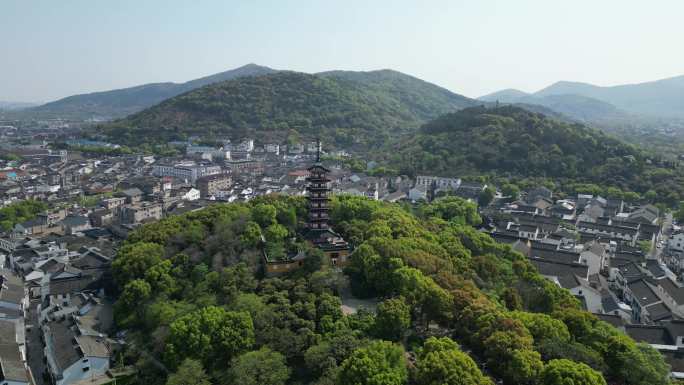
(510, 141)
(121, 102)
(197, 310)
(344, 107)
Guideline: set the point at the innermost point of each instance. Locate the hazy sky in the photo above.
(50, 49)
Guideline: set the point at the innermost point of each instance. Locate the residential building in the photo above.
(141, 212)
(438, 183)
(13, 369)
(210, 185)
(185, 171)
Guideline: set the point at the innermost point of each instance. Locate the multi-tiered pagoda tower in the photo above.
(318, 190)
(319, 232)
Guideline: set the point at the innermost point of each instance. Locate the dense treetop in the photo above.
(194, 300)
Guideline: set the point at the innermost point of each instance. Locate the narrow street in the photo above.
(34, 345)
(666, 233)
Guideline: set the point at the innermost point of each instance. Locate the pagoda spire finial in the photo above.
(318, 150)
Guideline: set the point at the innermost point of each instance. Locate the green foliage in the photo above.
(260, 367)
(190, 288)
(393, 319)
(566, 372)
(264, 215)
(135, 293)
(645, 246)
(679, 213)
(452, 209)
(190, 372)
(510, 190)
(9, 157)
(441, 362)
(20, 212)
(380, 363)
(486, 197)
(134, 259)
(348, 108)
(211, 334)
(511, 143)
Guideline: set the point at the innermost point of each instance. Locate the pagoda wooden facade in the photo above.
(318, 231)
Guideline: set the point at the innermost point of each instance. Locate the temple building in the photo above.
(318, 231)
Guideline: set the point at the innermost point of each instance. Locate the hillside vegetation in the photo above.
(511, 141)
(345, 107)
(192, 297)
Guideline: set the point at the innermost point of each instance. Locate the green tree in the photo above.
(566, 372)
(211, 334)
(134, 259)
(453, 209)
(645, 246)
(510, 190)
(19, 212)
(679, 213)
(190, 372)
(264, 214)
(276, 233)
(441, 362)
(135, 293)
(260, 367)
(393, 319)
(522, 367)
(631, 196)
(251, 236)
(380, 363)
(486, 197)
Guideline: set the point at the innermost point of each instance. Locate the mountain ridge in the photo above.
(124, 101)
(659, 98)
(340, 104)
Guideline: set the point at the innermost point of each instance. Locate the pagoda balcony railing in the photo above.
(318, 195)
(319, 207)
(321, 225)
(319, 216)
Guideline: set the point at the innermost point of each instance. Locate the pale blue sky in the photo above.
(51, 49)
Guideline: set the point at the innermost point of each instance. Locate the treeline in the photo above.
(193, 299)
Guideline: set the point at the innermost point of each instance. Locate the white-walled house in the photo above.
(72, 357)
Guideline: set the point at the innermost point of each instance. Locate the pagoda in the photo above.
(318, 230)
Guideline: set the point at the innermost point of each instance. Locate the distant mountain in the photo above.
(509, 95)
(13, 106)
(346, 107)
(662, 98)
(586, 102)
(577, 107)
(122, 102)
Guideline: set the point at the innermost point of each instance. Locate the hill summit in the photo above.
(347, 107)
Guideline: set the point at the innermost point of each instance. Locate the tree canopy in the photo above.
(191, 290)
